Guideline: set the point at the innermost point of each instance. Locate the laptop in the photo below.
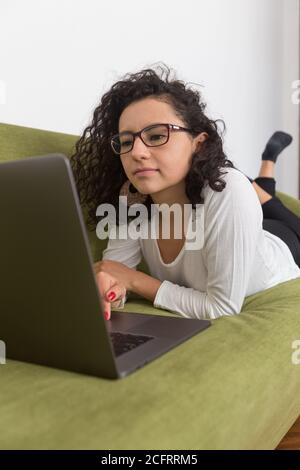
(51, 312)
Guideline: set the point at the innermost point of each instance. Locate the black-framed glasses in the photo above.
(152, 136)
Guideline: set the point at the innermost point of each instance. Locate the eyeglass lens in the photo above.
(154, 136)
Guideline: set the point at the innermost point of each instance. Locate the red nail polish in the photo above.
(111, 296)
(106, 315)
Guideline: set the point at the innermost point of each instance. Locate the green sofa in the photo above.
(234, 386)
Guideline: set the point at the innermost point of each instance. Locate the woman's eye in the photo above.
(156, 137)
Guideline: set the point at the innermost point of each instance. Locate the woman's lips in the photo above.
(145, 172)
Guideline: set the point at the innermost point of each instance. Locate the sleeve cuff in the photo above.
(166, 297)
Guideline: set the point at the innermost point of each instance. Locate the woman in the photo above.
(250, 241)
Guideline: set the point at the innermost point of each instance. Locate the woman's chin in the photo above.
(146, 188)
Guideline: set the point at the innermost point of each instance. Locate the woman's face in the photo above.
(171, 161)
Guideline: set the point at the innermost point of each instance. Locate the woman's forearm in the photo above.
(144, 285)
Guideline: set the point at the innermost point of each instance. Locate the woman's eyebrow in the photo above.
(144, 127)
(125, 130)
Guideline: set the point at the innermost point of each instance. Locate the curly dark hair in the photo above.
(99, 175)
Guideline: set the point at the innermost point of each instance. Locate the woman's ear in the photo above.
(200, 139)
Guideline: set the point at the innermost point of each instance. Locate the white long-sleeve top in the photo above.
(236, 258)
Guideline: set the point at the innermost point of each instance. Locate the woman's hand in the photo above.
(113, 280)
(111, 290)
(116, 277)
(119, 271)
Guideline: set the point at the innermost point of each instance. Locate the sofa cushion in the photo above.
(231, 387)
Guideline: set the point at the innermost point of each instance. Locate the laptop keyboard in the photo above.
(125, 342)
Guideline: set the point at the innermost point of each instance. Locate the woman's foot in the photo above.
(275, 145)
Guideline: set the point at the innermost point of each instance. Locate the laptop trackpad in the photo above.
(125, 321)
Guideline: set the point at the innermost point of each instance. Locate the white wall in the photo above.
(288, 165)
(58, 57)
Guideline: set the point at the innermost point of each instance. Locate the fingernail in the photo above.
(111, 296)
(106, 315)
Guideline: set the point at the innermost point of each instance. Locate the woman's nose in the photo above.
(139, 149)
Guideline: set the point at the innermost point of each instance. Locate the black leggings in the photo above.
(279, 220)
